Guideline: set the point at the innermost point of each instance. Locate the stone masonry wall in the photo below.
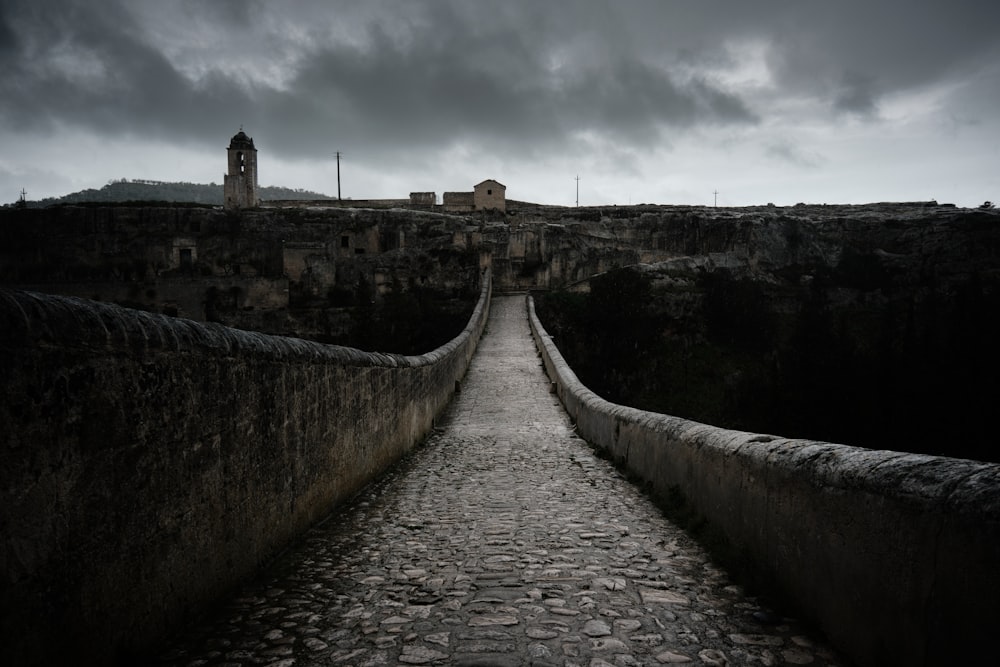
(893, 555)
(150, 463)
(490, 195)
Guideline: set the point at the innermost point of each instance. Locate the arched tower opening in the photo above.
(240, 188)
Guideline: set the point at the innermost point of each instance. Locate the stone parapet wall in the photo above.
(895, 556)
(150, 463)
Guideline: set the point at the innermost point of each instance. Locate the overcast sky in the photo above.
(656, 101)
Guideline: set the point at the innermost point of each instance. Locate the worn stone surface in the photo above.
(503, 541)
(893, 554)
(152, 463)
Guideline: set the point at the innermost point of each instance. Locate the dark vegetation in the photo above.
(843, 357)
(410, 321)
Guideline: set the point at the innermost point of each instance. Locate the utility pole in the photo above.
(338, 175)
(578, 191)
(716, 193)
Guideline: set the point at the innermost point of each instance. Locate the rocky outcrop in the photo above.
(899, 297)
(869, 326)
(294, 256)
(765, 241)
(289, 271)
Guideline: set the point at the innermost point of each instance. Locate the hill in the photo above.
(138, 190)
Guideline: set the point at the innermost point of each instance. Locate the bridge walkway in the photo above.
(503, 540)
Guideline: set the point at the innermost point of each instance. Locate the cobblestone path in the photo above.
(503, 541)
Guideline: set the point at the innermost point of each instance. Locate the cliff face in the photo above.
(329, 275)
(766, 318)
(872, 326)
(125, 251)
(554, 248)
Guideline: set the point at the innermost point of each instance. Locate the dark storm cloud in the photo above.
(452, 77)
(783, 150)
(88, 65)
(854, 54)
(513, 76)
(457, 78)
(425, 93)
(9, 43)
(855, 94)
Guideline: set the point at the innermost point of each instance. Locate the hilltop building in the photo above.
(240, 188)
(488, 195)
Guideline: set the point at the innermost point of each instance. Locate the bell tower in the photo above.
(240, 185)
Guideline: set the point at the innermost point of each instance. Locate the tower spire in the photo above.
(240, 189)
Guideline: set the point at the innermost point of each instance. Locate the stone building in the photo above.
(488, 195)
(241, 189)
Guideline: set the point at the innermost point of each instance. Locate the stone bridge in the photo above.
(156, 468)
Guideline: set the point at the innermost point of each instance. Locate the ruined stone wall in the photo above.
(893, 555)
(342, 203)
(150, 463)
(458, 201)
(297, 257)
(423, 199)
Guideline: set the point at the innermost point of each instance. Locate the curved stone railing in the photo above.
(895, 556)
(150, 463)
